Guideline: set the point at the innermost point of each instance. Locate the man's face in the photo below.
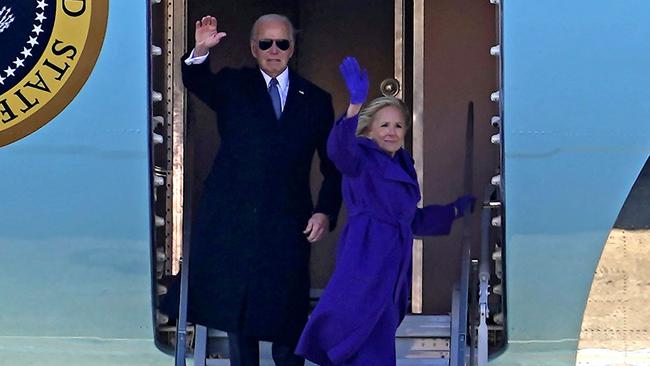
(273, 60)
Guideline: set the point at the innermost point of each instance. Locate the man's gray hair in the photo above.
(273, 17)
(368, 112)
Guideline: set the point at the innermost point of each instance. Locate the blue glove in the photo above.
(464, 205)
(355, 79)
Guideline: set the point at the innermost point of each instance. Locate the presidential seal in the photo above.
(49, 48)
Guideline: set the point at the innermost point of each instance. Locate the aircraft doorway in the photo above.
(439, 54)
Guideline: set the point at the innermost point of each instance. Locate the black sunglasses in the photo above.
(265, 44)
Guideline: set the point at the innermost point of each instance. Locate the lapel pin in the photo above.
(301, 92)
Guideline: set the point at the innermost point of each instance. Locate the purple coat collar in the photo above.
(399, 167)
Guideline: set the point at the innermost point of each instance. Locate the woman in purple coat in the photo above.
(357, 317)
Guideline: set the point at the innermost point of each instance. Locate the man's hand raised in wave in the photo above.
(206, 35)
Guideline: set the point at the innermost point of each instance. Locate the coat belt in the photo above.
(406, 238)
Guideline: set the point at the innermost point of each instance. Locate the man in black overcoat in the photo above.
(249, 264)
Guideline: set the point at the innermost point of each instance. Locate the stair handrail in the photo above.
(484, 278)
(460, 298)
(181, 327)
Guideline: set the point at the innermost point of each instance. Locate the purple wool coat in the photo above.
(373, 263)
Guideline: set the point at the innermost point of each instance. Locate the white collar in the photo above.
(283, 79)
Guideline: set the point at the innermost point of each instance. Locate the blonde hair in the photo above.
(368, 112)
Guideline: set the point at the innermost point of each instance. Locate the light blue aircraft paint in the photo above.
(576, 134)
(75, 285)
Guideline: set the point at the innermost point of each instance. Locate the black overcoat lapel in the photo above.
(294, 96)
(256, 89)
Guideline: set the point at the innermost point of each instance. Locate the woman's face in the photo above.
(388, 129)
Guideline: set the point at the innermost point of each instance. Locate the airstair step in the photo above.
(425, 326)
(400, 362)
(406, 348)
(419, 326)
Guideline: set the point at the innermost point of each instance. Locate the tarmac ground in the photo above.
(616, 324)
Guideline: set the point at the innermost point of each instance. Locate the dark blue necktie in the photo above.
(274, 92)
